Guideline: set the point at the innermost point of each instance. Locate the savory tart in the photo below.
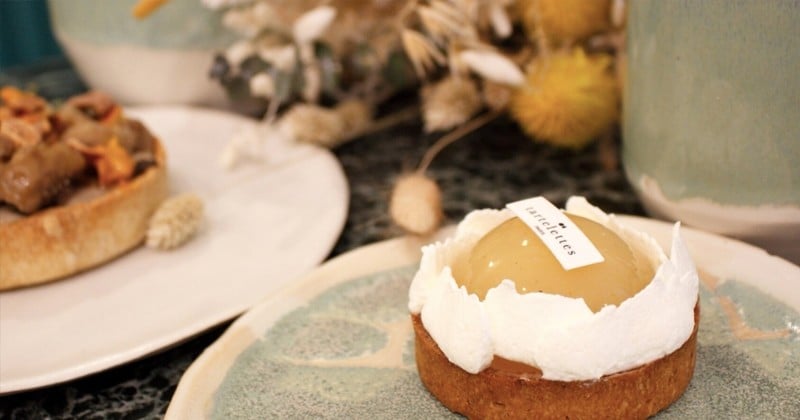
(502, 330)
(78, 184)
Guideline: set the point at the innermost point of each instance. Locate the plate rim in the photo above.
(193, 399)
(153, 345)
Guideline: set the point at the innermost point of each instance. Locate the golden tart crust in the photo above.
(510, 390)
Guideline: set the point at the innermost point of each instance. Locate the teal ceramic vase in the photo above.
(712, 116)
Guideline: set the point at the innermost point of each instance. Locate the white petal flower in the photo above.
(237, 52)
(262, 85)
(493, 66)
(283, 58)
(500, 21)
(312, 24)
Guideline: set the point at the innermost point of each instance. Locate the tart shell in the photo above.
(496, 393)
(63, 240)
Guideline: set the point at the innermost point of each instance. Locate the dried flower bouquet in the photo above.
(319, 69)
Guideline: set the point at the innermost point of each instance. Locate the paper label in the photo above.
(565, 240)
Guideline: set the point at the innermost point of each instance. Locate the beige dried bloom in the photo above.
(448, 103)
(495, 95)
(262, 85)
(439, 25)
(283, 57)
(310, 25)
(422, 53)
(237, 52)
(175, 222)
(416, 204)
(313, 124)
(356, 116)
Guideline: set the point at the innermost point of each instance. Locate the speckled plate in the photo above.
(339, 343)
(266, 224)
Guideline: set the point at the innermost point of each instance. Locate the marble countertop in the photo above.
(488, 168)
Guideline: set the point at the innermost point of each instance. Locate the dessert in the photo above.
(503, 331)
(78, 184)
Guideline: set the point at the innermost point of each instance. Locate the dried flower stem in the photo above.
(399, 117)
(608, 152)
(454, 135)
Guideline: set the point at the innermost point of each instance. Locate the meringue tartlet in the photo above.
(502, 330)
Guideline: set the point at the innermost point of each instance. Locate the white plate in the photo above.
(339, 343)
(265, 225)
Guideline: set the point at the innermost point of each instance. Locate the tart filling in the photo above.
(559, 335)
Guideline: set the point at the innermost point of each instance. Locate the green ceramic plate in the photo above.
(339, 344)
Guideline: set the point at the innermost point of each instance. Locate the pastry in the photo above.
(78, 185)
(614, 339)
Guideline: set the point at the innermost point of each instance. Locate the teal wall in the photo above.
(25, 35)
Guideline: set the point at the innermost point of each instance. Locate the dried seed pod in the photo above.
(416, 204)
(495, 95)
(449, 103)
(313, 124)
(355, 114)
(175, 222)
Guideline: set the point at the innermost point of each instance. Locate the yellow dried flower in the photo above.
(175, 221)
(416, 204)
(568, 99)
(564, 21)
(449, 103)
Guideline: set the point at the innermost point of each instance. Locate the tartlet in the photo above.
(78, 184)
(540, 355)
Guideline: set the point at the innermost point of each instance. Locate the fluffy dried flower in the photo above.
(439, 25)
(493, 66)
(310, 25)
(568, 99)
(237, 52)
(416, 204)
(262, 85)
(564, 21)
(283, 57)
(175, 222)
(313, 124)
(422, 53)
(356, 115)
(448, 103)
(495, 95)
